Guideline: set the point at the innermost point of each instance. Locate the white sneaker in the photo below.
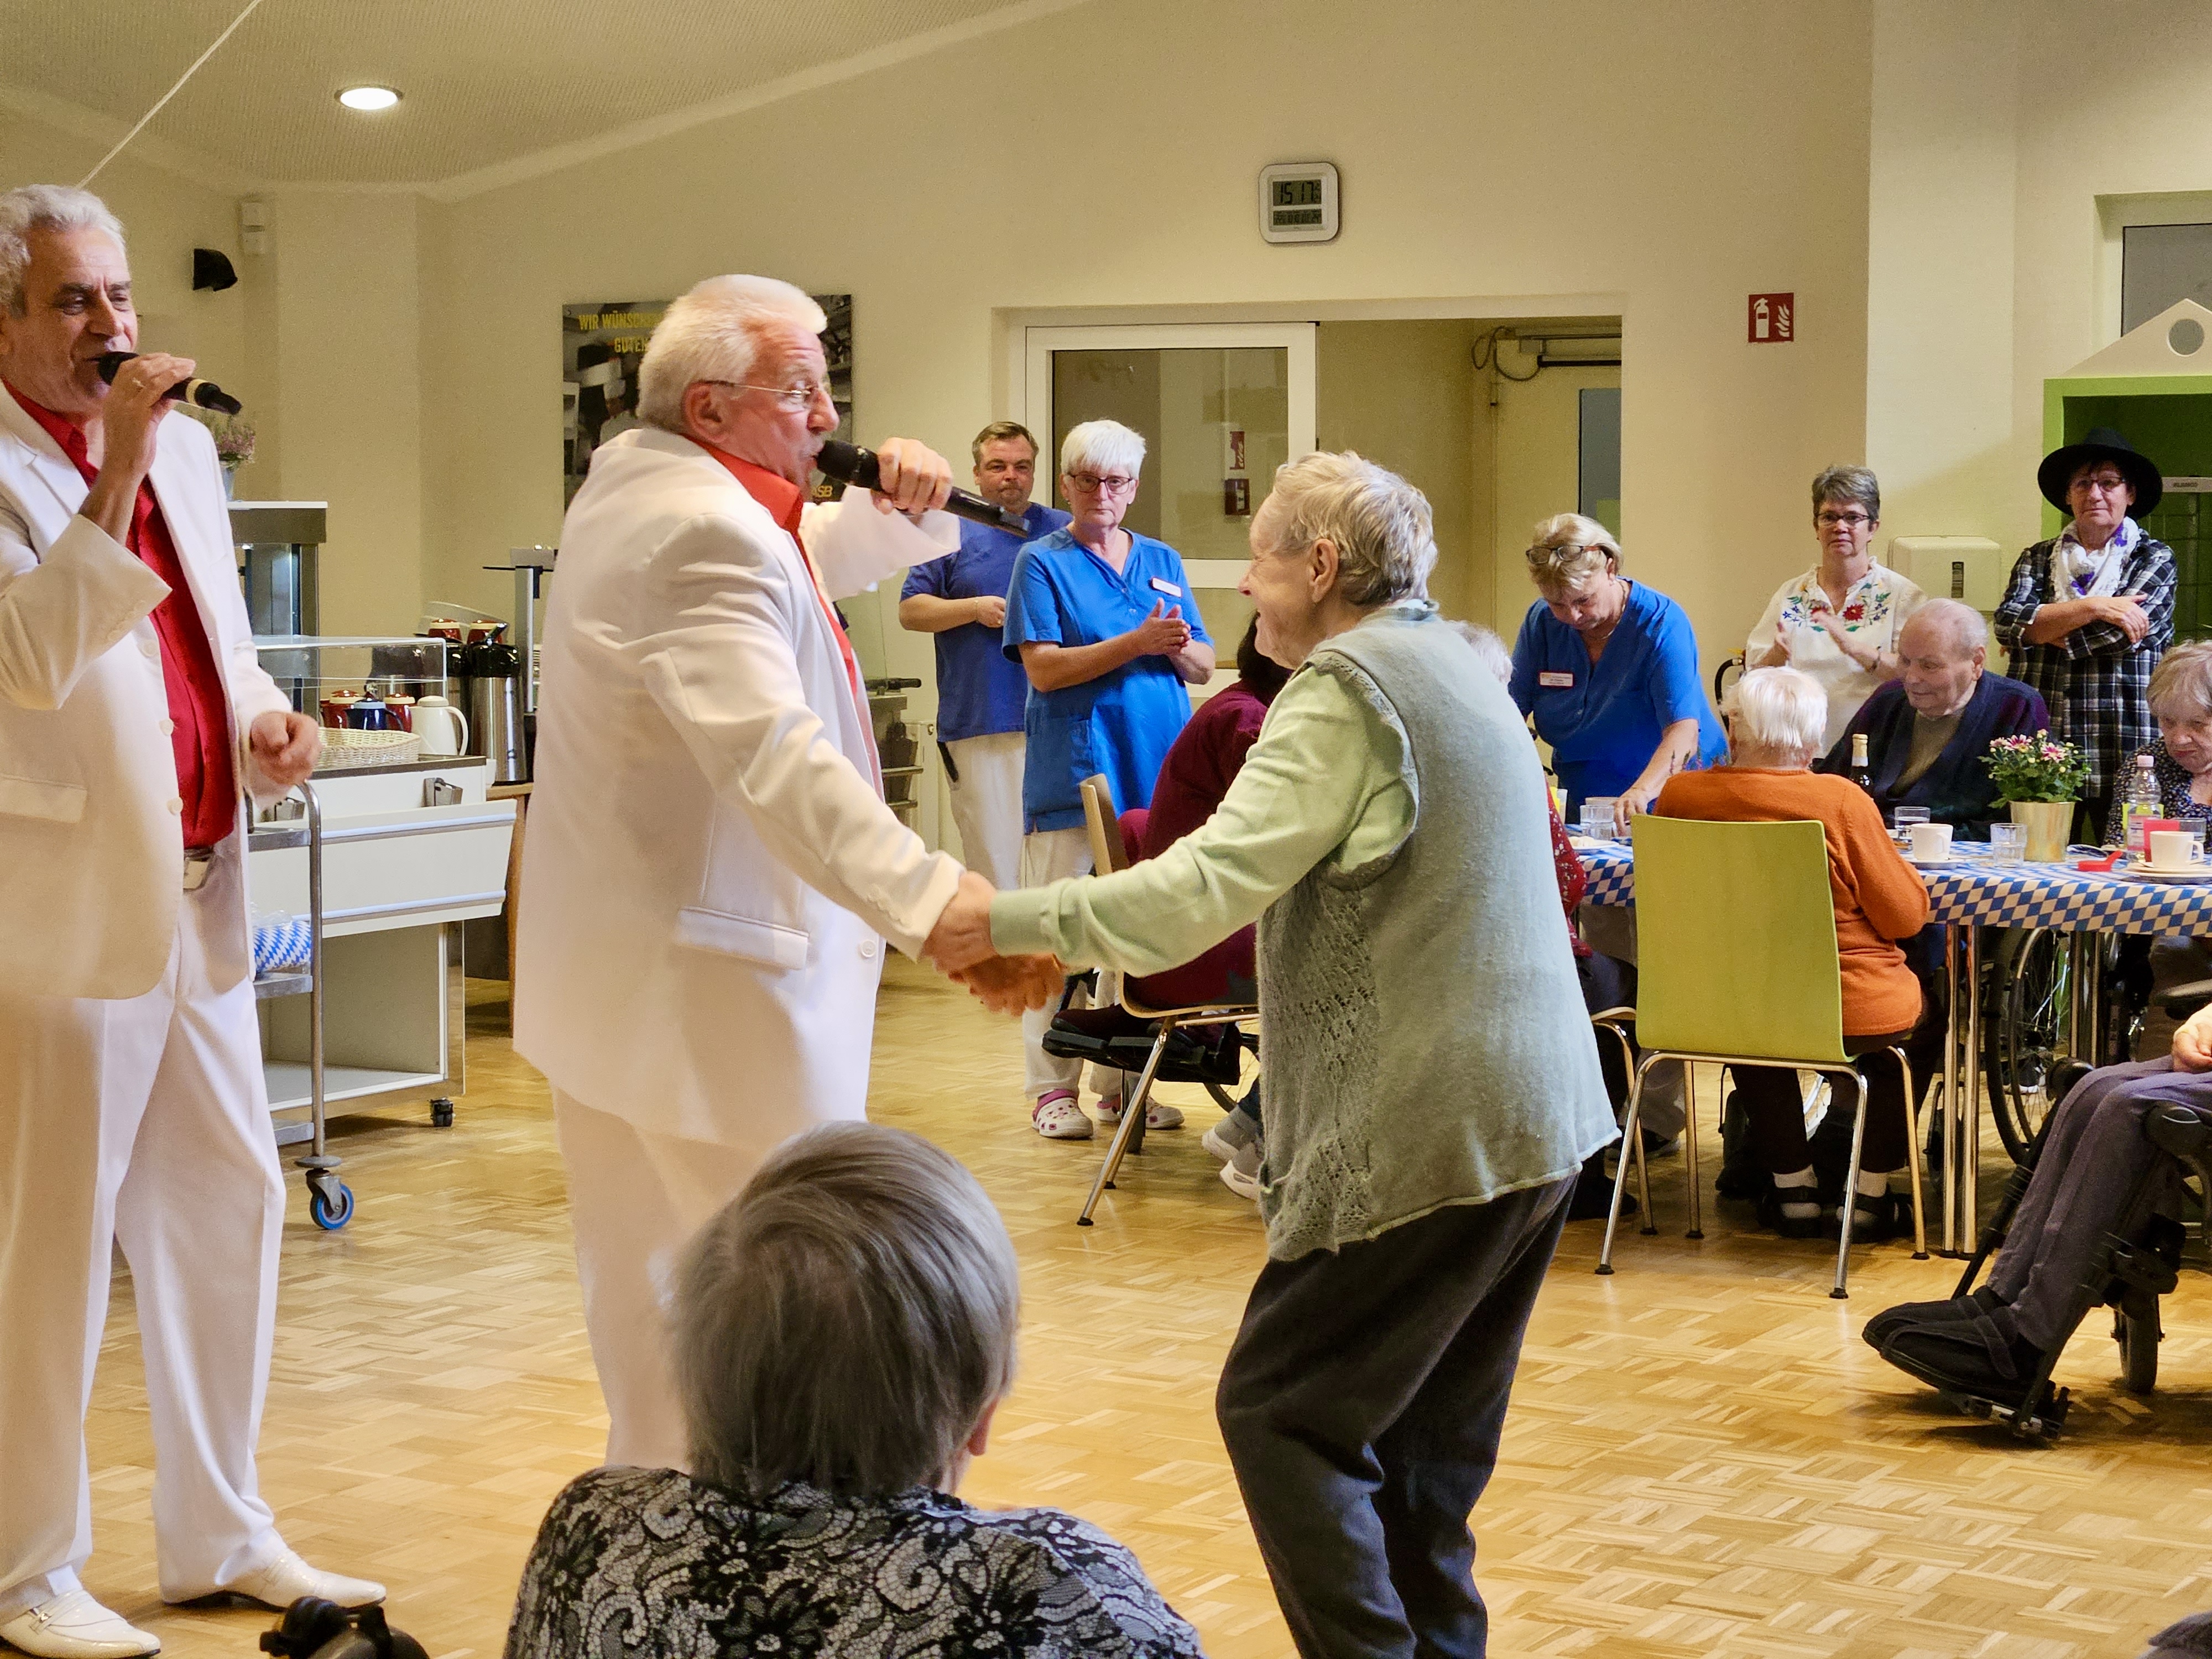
(288, 1578)
(1240, 1175)
(73, 1626)
(1223, 1148)
(1157, 1116)
(1057, 1117)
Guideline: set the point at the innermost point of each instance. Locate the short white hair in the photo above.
(1381, 526)
(1961, 623)
(1097, 444)
(30, 208)
(1487, 647)
(710, 334)
(1780, 708)
(1567, 547)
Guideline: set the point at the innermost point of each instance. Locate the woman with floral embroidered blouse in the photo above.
(1839, 621)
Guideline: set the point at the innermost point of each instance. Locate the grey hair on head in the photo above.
(1962, 625)
(1488, 646)
(1567, 547)
(847, 1319)
(1381, 526)
(1848, 484)
(711, 334)
(2181, 685)
(28, 209)
(1780, 709)
(1097, 444)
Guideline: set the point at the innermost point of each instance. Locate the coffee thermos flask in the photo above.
(493, 672)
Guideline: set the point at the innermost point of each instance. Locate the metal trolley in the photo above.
(329, 1200)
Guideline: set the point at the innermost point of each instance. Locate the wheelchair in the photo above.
(2138, 1262)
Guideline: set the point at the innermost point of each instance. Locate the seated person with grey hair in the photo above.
(843, 1334)
(1776, 719)
(1928, 731)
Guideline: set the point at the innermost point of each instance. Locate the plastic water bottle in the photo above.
(2139, 803)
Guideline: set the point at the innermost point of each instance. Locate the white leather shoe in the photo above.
(288, 1578)
(75, 1627)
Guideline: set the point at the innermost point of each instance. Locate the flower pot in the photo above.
(229, 483)
(2047, 824)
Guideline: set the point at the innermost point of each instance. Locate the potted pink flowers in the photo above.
(2041, 778)
(234, 443)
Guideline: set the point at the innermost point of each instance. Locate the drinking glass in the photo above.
(1597, 819)
(1906, 816)
(2008, 843)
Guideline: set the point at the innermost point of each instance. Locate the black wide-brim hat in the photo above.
(2103, 444)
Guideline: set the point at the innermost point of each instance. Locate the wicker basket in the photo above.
(342, 746)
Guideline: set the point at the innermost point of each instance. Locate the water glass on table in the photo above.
(1597, 818)
(2008, 843)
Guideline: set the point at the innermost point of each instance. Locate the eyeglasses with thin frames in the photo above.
(1109, 484)
(2110, 483)
(799, 397)
(1829, 520)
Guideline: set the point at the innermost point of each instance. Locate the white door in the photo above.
(1221, 406)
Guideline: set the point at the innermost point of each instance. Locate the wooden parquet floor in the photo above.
(1702, 1457)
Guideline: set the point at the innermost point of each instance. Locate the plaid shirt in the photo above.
(2098, 685)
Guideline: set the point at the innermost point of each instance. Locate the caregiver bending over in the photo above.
(1432, 1084)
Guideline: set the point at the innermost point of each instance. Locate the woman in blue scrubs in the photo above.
(1105, 623)
(1607, 669)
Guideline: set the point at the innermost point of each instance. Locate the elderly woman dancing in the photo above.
(844, 1332)
(1432, 1083)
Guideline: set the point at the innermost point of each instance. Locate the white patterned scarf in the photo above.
(2078, 574)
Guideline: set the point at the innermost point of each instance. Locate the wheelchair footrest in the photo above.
(2141, 1268)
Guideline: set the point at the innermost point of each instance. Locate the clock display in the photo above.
(1298, 192)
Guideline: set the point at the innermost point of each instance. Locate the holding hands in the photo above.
(960, 946)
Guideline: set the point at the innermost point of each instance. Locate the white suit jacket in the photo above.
(710, 872)
(91, 838)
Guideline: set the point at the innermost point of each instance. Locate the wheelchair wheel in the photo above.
(2027, 1031)
(2137, 1334)
(1248, 1077)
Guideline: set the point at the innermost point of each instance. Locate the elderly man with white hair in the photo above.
(132, 712)
(1927, 732)
(711, 874)
(1778, 716)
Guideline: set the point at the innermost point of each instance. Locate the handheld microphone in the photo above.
(206, 393)
(850, 463)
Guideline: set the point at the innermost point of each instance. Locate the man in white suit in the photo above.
(711, 874)
(131, 1104)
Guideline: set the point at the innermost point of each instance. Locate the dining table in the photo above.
(1968, 891)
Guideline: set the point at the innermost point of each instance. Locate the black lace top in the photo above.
(652, 1562)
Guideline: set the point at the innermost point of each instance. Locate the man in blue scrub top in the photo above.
(980, 693)
(1104, 623)
(1607, 668)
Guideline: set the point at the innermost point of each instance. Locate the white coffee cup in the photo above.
(2171, 849)
(1931, 843)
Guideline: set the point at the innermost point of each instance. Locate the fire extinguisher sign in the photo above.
(1773, 318)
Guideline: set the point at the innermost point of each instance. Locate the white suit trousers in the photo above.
(1048, 855)
(636, 1199)
(143, 1123)
(986, 803)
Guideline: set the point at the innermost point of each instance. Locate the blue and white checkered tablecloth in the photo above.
(1973, 888)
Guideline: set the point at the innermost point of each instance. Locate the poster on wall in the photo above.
(601, 346)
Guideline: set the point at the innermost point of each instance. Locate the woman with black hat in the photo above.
(2089, 611)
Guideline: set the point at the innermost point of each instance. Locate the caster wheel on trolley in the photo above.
(329, 1210)
(441, 1112)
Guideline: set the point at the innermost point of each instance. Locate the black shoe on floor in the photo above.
(1592, 1199)
(1888, 1322)
(1771, 1216)
(1874, 1217)
(1967, 1357)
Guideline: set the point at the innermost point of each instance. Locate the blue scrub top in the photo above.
(1121, 724)
(979, 692)
(1603, 720)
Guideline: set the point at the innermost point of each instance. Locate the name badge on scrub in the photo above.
(1162, 585)
(1555, 678)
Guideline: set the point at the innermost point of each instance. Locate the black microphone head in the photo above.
(848, 464)
(109, 361)
(208, 395)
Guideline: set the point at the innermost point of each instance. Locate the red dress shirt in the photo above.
(784, 501)
(199, 708)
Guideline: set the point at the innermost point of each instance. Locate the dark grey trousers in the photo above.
(1361, 1404)
(2094, 1159)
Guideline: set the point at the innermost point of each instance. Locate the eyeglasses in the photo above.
(1110, 483)
(2110, 483)
(1831, 520)
(799, 397)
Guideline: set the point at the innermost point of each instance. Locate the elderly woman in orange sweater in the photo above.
(1778, 717)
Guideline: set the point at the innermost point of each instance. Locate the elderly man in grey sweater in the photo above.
(1432, 1084)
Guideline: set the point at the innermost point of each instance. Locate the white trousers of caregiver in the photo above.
(636, 1197)
(142, 1122)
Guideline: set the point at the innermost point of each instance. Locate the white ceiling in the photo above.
(486, 83)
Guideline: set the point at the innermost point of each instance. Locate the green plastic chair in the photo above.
(1737, 964)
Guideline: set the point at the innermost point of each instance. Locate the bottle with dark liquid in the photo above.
(1861, 772)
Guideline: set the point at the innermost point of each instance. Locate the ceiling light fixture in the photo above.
(368, 98)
